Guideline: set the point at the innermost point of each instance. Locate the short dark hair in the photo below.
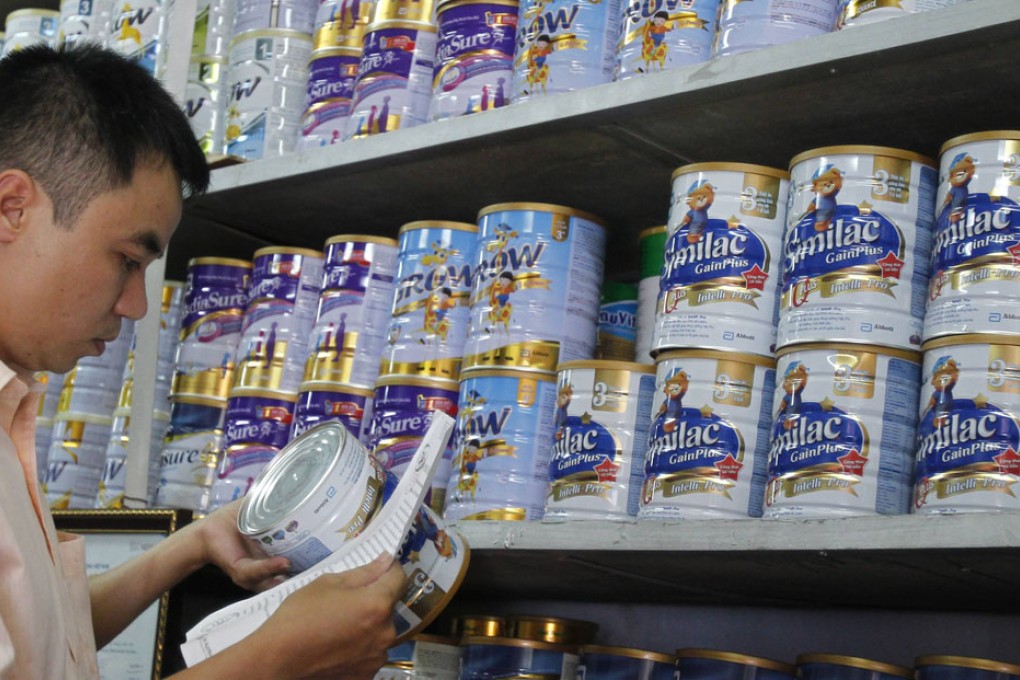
(80, 120)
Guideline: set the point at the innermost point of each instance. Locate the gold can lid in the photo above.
(552, 630)
(718, 354)
(970, 339)
(658, 657)
(850, 347)
(420, 26)
(361, 238)
(259, 393)
(651, 231)
(856, 662)
(335, 387)
(221, 261)
(88, 418)
(989, 135)
(521, 643)
(439, 224)
(730, 167)
(254, 33)
(734, 657)
(32, 11)
(323, 52)
(967, 662)
(541, 207)
(287, 250)
(863, 149)
(471, 625)
(444, 5)
(198, 400)
(436, 383)
(607, 364)
(506, 372)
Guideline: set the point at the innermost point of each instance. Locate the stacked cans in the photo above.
(968, 434)
(138, 30)
(652, 249)
(855, 272)
(616, 338)
(204, 97)
(25, 27)
(713, 338)
(85, 21)
(54, 383)
(746, 26)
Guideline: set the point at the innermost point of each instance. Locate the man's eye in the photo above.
(131, 264)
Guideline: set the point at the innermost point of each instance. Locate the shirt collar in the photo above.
(13, 391)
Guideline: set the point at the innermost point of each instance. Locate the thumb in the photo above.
(369, 573)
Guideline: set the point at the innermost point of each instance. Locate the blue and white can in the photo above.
(564, 45)
(483, 658)
(204, 97)
(710, 664)
(190, 455)
(75, 461)
(139, 30)
(474, 56)
(256, 15)
(945, 667)
(722, 267)
(503, 445)
(394, 85)
(616, 335)
(84, 21)
(622, 663)
(319, 402)
(975, 255)
(535, 294)
(354, 310)
(968, 436)
(656, 35)
(856, 248)
(839, 667)
(214, 26)
(843, 432)
(745, 26)
(708, 445)
(331, 76)
(266, 81)
(114, 473)
(603, 412)
(431, 300)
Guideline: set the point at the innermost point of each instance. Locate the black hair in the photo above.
(446, 291)
(80, 120)
(506, 275)
(661, 15)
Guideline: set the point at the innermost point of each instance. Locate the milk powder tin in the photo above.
(843, 431)
(720, 276)
(84, 21)
(616, 334)
(554, 630)
(474, 56)
(710, 664)
(475, 625)
(138, 30)
(265, 92)
(856, 247)
(75, 460)
(974, 265)
(40, 22)
(354, 310)
(255, 15)
(564, 45)
(860, 12)
(114, 472)
(256, 427)
(171, 312)
(430, 318)
(203, 103)
(403, 10)
(603, 411)
(89, 390)
(402, 410)
(945, 667)
(319, 402)
(215, 296)
(537, 276)
(652, 249)
(423, 656)
(282, 300)
(837, 667)
(394, 85)
(969, 430)
(332, 73)
(214, 25)
(708, 445)
(622, 663)
(503, 442)
(341, 23)
(488, 657)
(656, 35)
(43, 438)
(744, 26)
(17, 41)
(322, 491)
(191, 450)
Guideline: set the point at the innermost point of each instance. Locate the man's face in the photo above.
(70, 287)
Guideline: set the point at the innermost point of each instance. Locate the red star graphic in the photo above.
(891, 265)
(755, 278)
(606, 470)
(729, 467)
(1009, 462)
(1014, 250)
(853, 463)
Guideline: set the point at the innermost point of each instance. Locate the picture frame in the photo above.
(111, 538)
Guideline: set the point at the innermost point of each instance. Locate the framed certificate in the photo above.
(111, 538)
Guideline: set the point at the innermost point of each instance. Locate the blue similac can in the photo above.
(492, 657)
(745, 26)
(331, 77)
(710, 664)
(603, 413)
(975, 265)
(968, 436)
(319, 402)
(394, 85)
(474, 56)
(192, 446)
(431, 300)
(354, 310)
(256, 427)
(708, 443)
(838, 667)
(843, 433)
(856, 247)
(622, 663)
(656, 35)
(535, 294)
(564, 45)
(945, 667)
(503, 444)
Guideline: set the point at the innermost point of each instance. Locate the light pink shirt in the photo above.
(45, 619)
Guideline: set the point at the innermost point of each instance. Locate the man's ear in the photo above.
(17, 192)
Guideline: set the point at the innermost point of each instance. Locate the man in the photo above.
(93, 157)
